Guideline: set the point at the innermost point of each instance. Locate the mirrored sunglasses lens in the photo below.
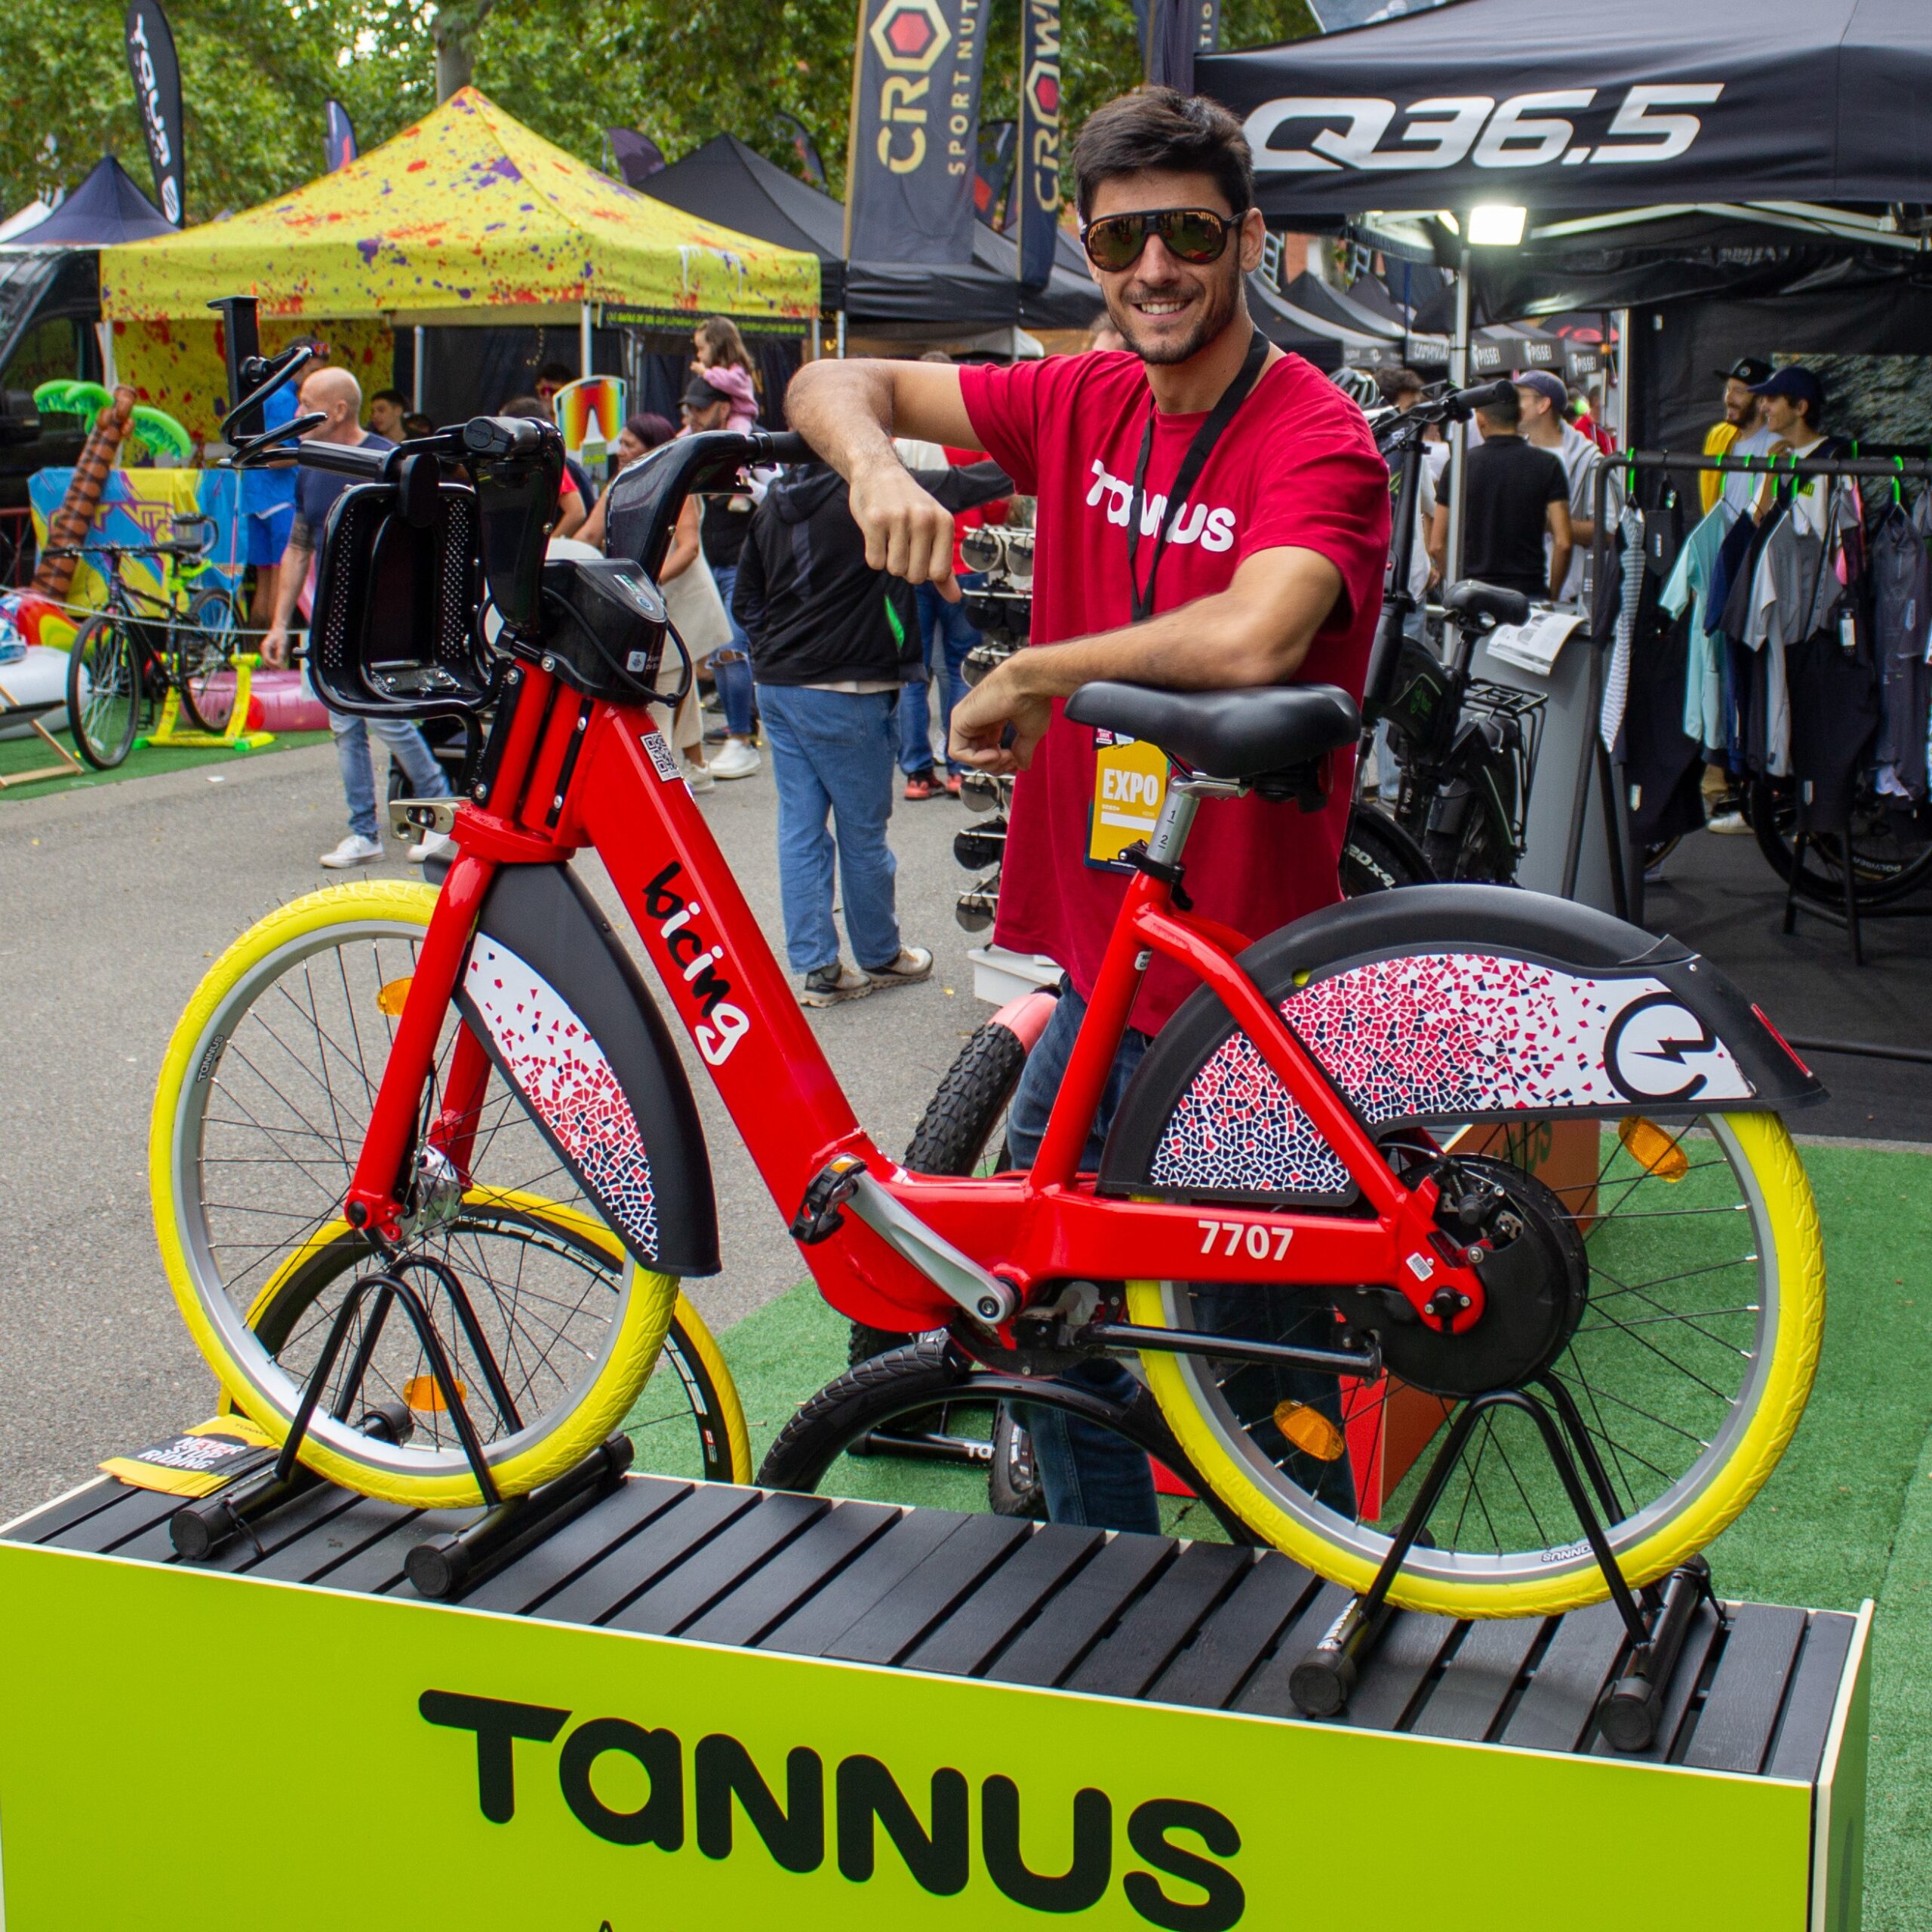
(1193, 236)
(1115, 242)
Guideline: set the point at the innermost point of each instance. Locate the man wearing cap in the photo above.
(1543, 399)
(1794, 405)
(1742, 432)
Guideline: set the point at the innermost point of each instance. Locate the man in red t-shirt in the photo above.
(1272, 573)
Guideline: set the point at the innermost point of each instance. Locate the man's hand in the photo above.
(274, 646)
(907, 532)
(978, 735)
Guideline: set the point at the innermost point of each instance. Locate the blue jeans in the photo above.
(945, 634)
(426, 776)
(731, 668)
(831, 754)
(1090, 1475)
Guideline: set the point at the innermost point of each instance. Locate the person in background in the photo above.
(1402, 388)
(1541, 399)
(832, 641)
(1102, 335)
(337, 397)
(719, 397)
(388, 410)
(552, 377)
(716, 344)
(947, 633)
(1514, 495)
(268, 514)
(416, 425)
(1742, 431)
(573, 498)
(1794, 400)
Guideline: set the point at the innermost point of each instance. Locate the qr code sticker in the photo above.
(660, 755)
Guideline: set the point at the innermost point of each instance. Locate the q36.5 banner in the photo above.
(915, 131)
(1036, 174)
(157, 77)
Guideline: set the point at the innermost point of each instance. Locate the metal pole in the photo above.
(841, 351)
(1620, 320)
(583, 347)
(1458, 443)
(422, 362)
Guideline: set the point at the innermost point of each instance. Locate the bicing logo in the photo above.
(1526, 131)
(697, 957)
(709, 1787)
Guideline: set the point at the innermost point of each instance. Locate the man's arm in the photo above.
(748, 596)
(849, 412)
(1560, 545)
(288, 586)
(1437, 544)
(1256, 631)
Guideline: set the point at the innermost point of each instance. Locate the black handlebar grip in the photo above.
(779, 446)
(1463, 403)
(345, 459)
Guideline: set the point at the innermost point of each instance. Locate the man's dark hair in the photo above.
(1159, 128)
(553, 372)
(1394, 382)
(395, 396)
(1506, 412)
(525, 405)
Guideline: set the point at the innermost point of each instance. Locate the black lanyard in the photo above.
(1205, 437)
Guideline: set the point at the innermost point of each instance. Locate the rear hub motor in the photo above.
(1535, 1275)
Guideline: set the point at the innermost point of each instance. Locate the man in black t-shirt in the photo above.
(1514, 493)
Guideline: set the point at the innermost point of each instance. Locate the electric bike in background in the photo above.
(1278, 1228)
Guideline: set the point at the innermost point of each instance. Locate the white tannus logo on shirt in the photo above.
(1193, 523)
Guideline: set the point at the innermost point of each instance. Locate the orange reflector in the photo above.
(1650, 1147)
(392, 995)
(422, 1394)
(1309, 1429)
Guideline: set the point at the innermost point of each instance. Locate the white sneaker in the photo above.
(733, 759)
(432, 845)
(354, 850)
(1728, 822)
(697, 777)
(914, 964)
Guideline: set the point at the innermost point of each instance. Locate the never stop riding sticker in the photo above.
(1130, 783)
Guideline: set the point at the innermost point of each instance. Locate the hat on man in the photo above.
(1546, 384)
(699, 394)
(1747, 370)
(1798, 383)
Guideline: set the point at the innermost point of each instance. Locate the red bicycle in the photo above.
(1316, 1207)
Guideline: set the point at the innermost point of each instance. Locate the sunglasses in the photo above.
(1199, 235)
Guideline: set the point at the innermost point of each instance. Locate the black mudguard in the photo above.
(562, 1010)
(1436, 1005)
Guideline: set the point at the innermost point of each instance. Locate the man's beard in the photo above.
(1217, 312)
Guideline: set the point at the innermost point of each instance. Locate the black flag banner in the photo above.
(1036, 178)
(157, 76)
(914, 139)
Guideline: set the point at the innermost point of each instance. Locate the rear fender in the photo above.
(1436, 1006)
(562, 1010)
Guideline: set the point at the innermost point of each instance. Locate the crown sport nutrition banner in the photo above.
(156, 78)
(1036, 176)
(914, 141)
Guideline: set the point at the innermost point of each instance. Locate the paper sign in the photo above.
(1534, 646)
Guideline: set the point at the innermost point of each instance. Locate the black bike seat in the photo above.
(1242, 734)
(1473, 598)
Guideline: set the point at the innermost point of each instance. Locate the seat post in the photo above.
(1177, 819)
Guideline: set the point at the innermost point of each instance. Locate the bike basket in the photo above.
(396, 631)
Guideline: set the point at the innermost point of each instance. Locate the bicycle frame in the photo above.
(574, 771)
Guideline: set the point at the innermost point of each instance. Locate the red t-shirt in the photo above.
(1297, 466)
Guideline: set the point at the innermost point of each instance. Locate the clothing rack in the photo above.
(1880, 469)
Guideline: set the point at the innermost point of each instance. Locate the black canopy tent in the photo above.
(107, 209)
(726, 181)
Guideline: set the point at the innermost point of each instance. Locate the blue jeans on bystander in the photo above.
(945, 635)
(832, 755)
(405, 743)
(731, 667)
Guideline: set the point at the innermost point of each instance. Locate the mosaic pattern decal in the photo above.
(468, 209)
(1439, 1036)
(563, 1074)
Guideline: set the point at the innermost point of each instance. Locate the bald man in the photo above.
(337, 396)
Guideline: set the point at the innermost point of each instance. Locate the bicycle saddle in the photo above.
(1471, 599)
(1241, 733)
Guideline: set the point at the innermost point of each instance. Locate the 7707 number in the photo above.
(1252, 1233)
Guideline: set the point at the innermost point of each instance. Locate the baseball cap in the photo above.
(1797, 382)
(1747, 370)
(1546, 384)
(699, 394)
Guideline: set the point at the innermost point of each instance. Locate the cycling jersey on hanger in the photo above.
(1688, 594)
(1901, 575)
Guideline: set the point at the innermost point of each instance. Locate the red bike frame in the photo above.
(576, 771)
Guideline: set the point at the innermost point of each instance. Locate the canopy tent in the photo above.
(106, 209)
(726, 181)
(24, 218)
(464, 215)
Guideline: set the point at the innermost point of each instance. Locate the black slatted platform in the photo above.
(1195, 1625)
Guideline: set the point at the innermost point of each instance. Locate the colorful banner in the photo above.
(914, 145)
(590, 412)
(157, 77)
(338, 138)
(811, 164)
(637, 155)
(1036, 181)
(140, 506)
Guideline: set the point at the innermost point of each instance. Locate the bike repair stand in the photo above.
(234, 737)
(1628, 1713)
(445, 1565)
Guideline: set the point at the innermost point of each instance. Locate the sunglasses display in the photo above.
(1198, 235)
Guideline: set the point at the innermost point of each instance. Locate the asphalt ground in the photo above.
(115, 902)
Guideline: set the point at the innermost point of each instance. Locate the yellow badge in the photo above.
(1129, 783)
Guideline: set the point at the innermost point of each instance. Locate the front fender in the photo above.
(1436, 1006)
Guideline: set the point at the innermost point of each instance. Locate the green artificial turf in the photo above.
(143, 761)
(1847, 1515)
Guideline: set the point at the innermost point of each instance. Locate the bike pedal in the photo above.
(821, 1214)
